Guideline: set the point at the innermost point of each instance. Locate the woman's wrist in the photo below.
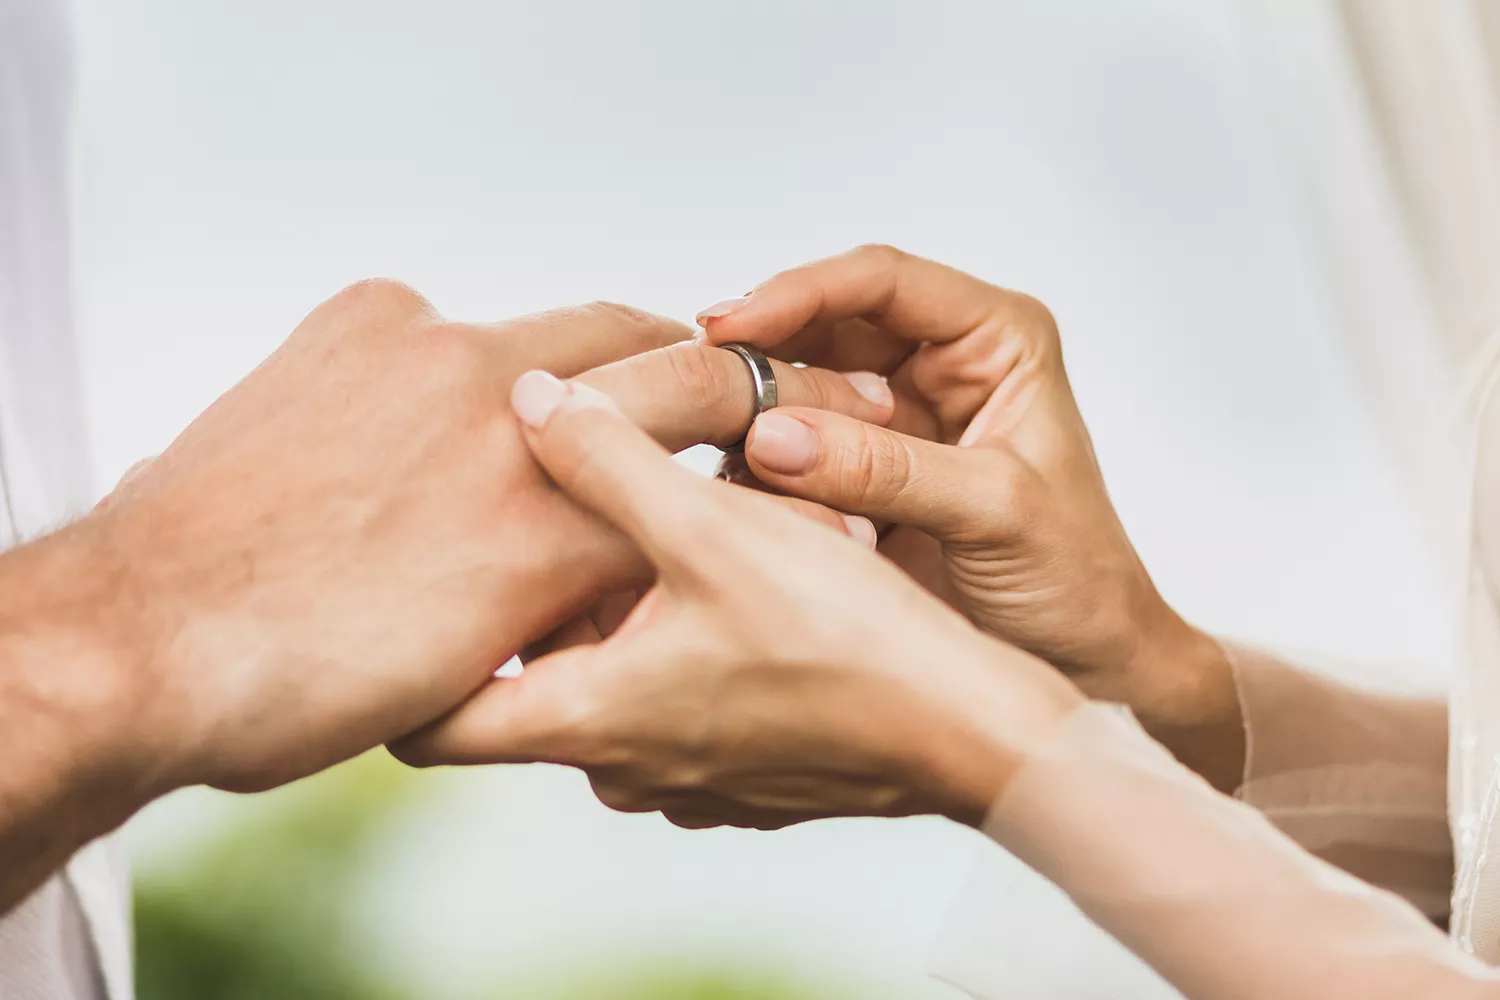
(1182, 690)
(999, 705)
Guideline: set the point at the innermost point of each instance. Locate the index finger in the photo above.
(689, 394)
(910, 297)
(576, 338)
(612, 468)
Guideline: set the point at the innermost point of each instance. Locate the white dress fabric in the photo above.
(71, 939)
(1390, 112)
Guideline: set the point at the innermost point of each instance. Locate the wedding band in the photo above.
(764, 378)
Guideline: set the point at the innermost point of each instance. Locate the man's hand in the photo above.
(340, 549)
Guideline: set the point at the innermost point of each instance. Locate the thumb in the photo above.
(863, 469)
(570, 707)
(539, 717)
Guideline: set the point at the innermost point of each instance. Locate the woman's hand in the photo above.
(987, 473)
(776, 672)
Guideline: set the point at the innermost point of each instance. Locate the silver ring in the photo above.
(764, 378)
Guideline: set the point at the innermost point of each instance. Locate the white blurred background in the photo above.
(240, 162)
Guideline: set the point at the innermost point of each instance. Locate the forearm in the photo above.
(1356, 777)
(76, 759)
(1203, 888)
(1183, 692)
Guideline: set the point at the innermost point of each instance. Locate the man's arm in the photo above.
(342, 548)
(75, 731)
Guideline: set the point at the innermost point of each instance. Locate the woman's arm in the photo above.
(1005, 515)
(1356, 777)
(1205, 889)
(776, 673)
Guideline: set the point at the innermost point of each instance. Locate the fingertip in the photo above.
(719, 310)
(874, 388)
(536, 395)
(752, 318)
(862, 530)
(783, 444)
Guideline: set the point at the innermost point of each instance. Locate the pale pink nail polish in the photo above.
(783, 444)
(535, 395)
(873, 387)
(861, 530)
(720, 309)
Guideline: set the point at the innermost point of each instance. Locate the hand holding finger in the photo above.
(691, 394)
(949, 492)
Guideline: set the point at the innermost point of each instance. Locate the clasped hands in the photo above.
(340, 551)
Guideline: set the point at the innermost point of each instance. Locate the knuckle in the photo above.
(879, 253)
(878, 469)
(701, 377)
(1014, 497)
(382, 296)
(619, 313)
(1036, 319)
(685, 776)
(818, 391)
(377, 308)
(616, 795)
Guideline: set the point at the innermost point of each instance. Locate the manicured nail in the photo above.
(861, 530)
(535, 395)
(719, 309)
(873, 387)
(783, 444)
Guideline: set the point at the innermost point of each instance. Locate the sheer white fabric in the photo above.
(1391, 125)
(1392, 117)
(1222, 904)
(71, 939)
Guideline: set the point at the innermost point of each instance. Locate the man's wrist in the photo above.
(76, 668)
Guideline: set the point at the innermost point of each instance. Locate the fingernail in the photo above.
(732, 468)
(587, 397)
(535, 395)
(719, 309)
(783, 444)
(861, 530)
(873, 387)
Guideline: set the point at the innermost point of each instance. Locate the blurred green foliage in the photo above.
(260, 911)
